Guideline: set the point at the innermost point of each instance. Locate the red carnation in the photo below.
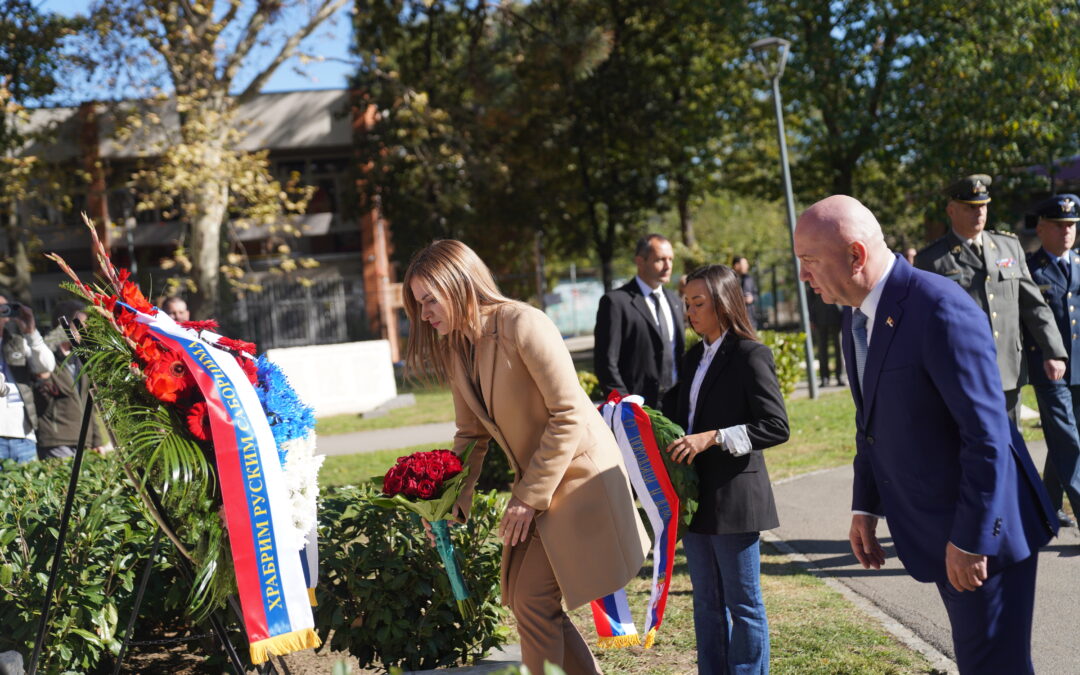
(198, 421)
(236, 345)
(205, 324)
(168, 379)
(249, 368)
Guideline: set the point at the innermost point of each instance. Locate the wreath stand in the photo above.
(183, 565)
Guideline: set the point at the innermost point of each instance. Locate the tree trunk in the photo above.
(686, 223)
(209, 201)
(19, 280)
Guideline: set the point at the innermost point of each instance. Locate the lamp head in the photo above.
(771, 54)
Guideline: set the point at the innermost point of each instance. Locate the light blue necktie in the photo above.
(858, 334)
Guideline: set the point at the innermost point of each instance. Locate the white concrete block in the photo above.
(351, 377)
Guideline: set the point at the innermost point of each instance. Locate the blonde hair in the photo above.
(460, 282)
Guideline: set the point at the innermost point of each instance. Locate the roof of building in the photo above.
(275, 121)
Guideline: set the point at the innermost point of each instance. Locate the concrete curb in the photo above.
(940, 662)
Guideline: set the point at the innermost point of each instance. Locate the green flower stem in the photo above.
(445, 546)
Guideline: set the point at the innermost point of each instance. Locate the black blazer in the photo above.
(740, 387)
(628, 351)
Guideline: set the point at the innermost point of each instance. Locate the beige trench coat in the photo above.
(566, 463)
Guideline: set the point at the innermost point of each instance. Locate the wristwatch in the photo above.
(719, 438)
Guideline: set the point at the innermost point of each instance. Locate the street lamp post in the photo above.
(771, 55)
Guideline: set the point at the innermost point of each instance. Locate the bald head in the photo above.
(841, 248)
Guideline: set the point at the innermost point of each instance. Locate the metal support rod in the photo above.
(138, 601)
(804, 311)
(61, 535)
(186, 571)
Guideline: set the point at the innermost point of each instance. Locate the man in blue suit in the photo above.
(1055, 269)
(935, 452)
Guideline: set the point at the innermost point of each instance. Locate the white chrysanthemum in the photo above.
(301, 479)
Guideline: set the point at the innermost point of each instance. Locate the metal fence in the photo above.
(289, 314)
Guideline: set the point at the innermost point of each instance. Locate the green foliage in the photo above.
(789, 352)
(107, 543)
(684, 477)
(383, 591)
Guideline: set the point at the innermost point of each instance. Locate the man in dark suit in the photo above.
(639, 328)
(935, 451)
(1055, 268)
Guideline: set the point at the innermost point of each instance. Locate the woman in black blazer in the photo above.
(730, 404)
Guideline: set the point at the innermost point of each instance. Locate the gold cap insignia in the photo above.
(1066, 205)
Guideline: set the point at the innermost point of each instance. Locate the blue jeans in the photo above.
(1059, 408)
(21, 450)
(729, 615)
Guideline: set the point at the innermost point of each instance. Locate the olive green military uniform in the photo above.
(999, 282)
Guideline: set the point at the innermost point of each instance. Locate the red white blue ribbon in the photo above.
(649, 478)
(270, 577)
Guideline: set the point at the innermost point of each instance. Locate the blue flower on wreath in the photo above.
(290, 419)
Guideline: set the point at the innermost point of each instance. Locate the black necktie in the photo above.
(667, 360)
(1064, 267)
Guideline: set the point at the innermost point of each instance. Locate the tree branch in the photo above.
(289, 48)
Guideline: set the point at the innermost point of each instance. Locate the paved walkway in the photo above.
(814, 516)
(387, 439)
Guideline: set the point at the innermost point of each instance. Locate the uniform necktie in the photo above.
(858, 334)
(1064, 267)
(667, 360)
(977, 248)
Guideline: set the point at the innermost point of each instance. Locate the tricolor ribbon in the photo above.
(649, 478)
(274, 596)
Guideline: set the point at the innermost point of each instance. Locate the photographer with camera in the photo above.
(24, 358)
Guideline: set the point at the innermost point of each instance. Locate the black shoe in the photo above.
(1065, 520)
(840, 382)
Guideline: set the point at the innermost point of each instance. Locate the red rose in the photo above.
(427, 489)
(392, 482)
(411, 488)
(198, 421)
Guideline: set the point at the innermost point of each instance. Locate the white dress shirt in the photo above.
(733, 439)
(665, 309)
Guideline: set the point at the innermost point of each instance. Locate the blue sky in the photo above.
(330, 42)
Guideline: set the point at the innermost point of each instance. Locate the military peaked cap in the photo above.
(970, 189)
(1059, 207)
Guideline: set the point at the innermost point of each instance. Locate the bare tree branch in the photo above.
(326, 10)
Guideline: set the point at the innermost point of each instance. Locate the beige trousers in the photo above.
(547, 634)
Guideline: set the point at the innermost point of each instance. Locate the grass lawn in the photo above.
(813, 629)
(432, 405)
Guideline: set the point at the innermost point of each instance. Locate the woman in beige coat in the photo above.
(570, 531)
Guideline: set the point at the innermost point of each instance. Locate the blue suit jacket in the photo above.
(935, 452)
(1063, 297)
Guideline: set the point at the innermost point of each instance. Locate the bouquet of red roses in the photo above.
(428, 483)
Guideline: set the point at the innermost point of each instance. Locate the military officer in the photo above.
(991, 267)
(1055, 268)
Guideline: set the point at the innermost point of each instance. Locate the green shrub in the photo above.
(590, 383)
(383, 591)
(495, 474)
(789, 352)
(108, 540)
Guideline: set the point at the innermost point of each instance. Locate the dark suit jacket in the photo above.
(628, 349)
(740, 387)
(935, 452)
